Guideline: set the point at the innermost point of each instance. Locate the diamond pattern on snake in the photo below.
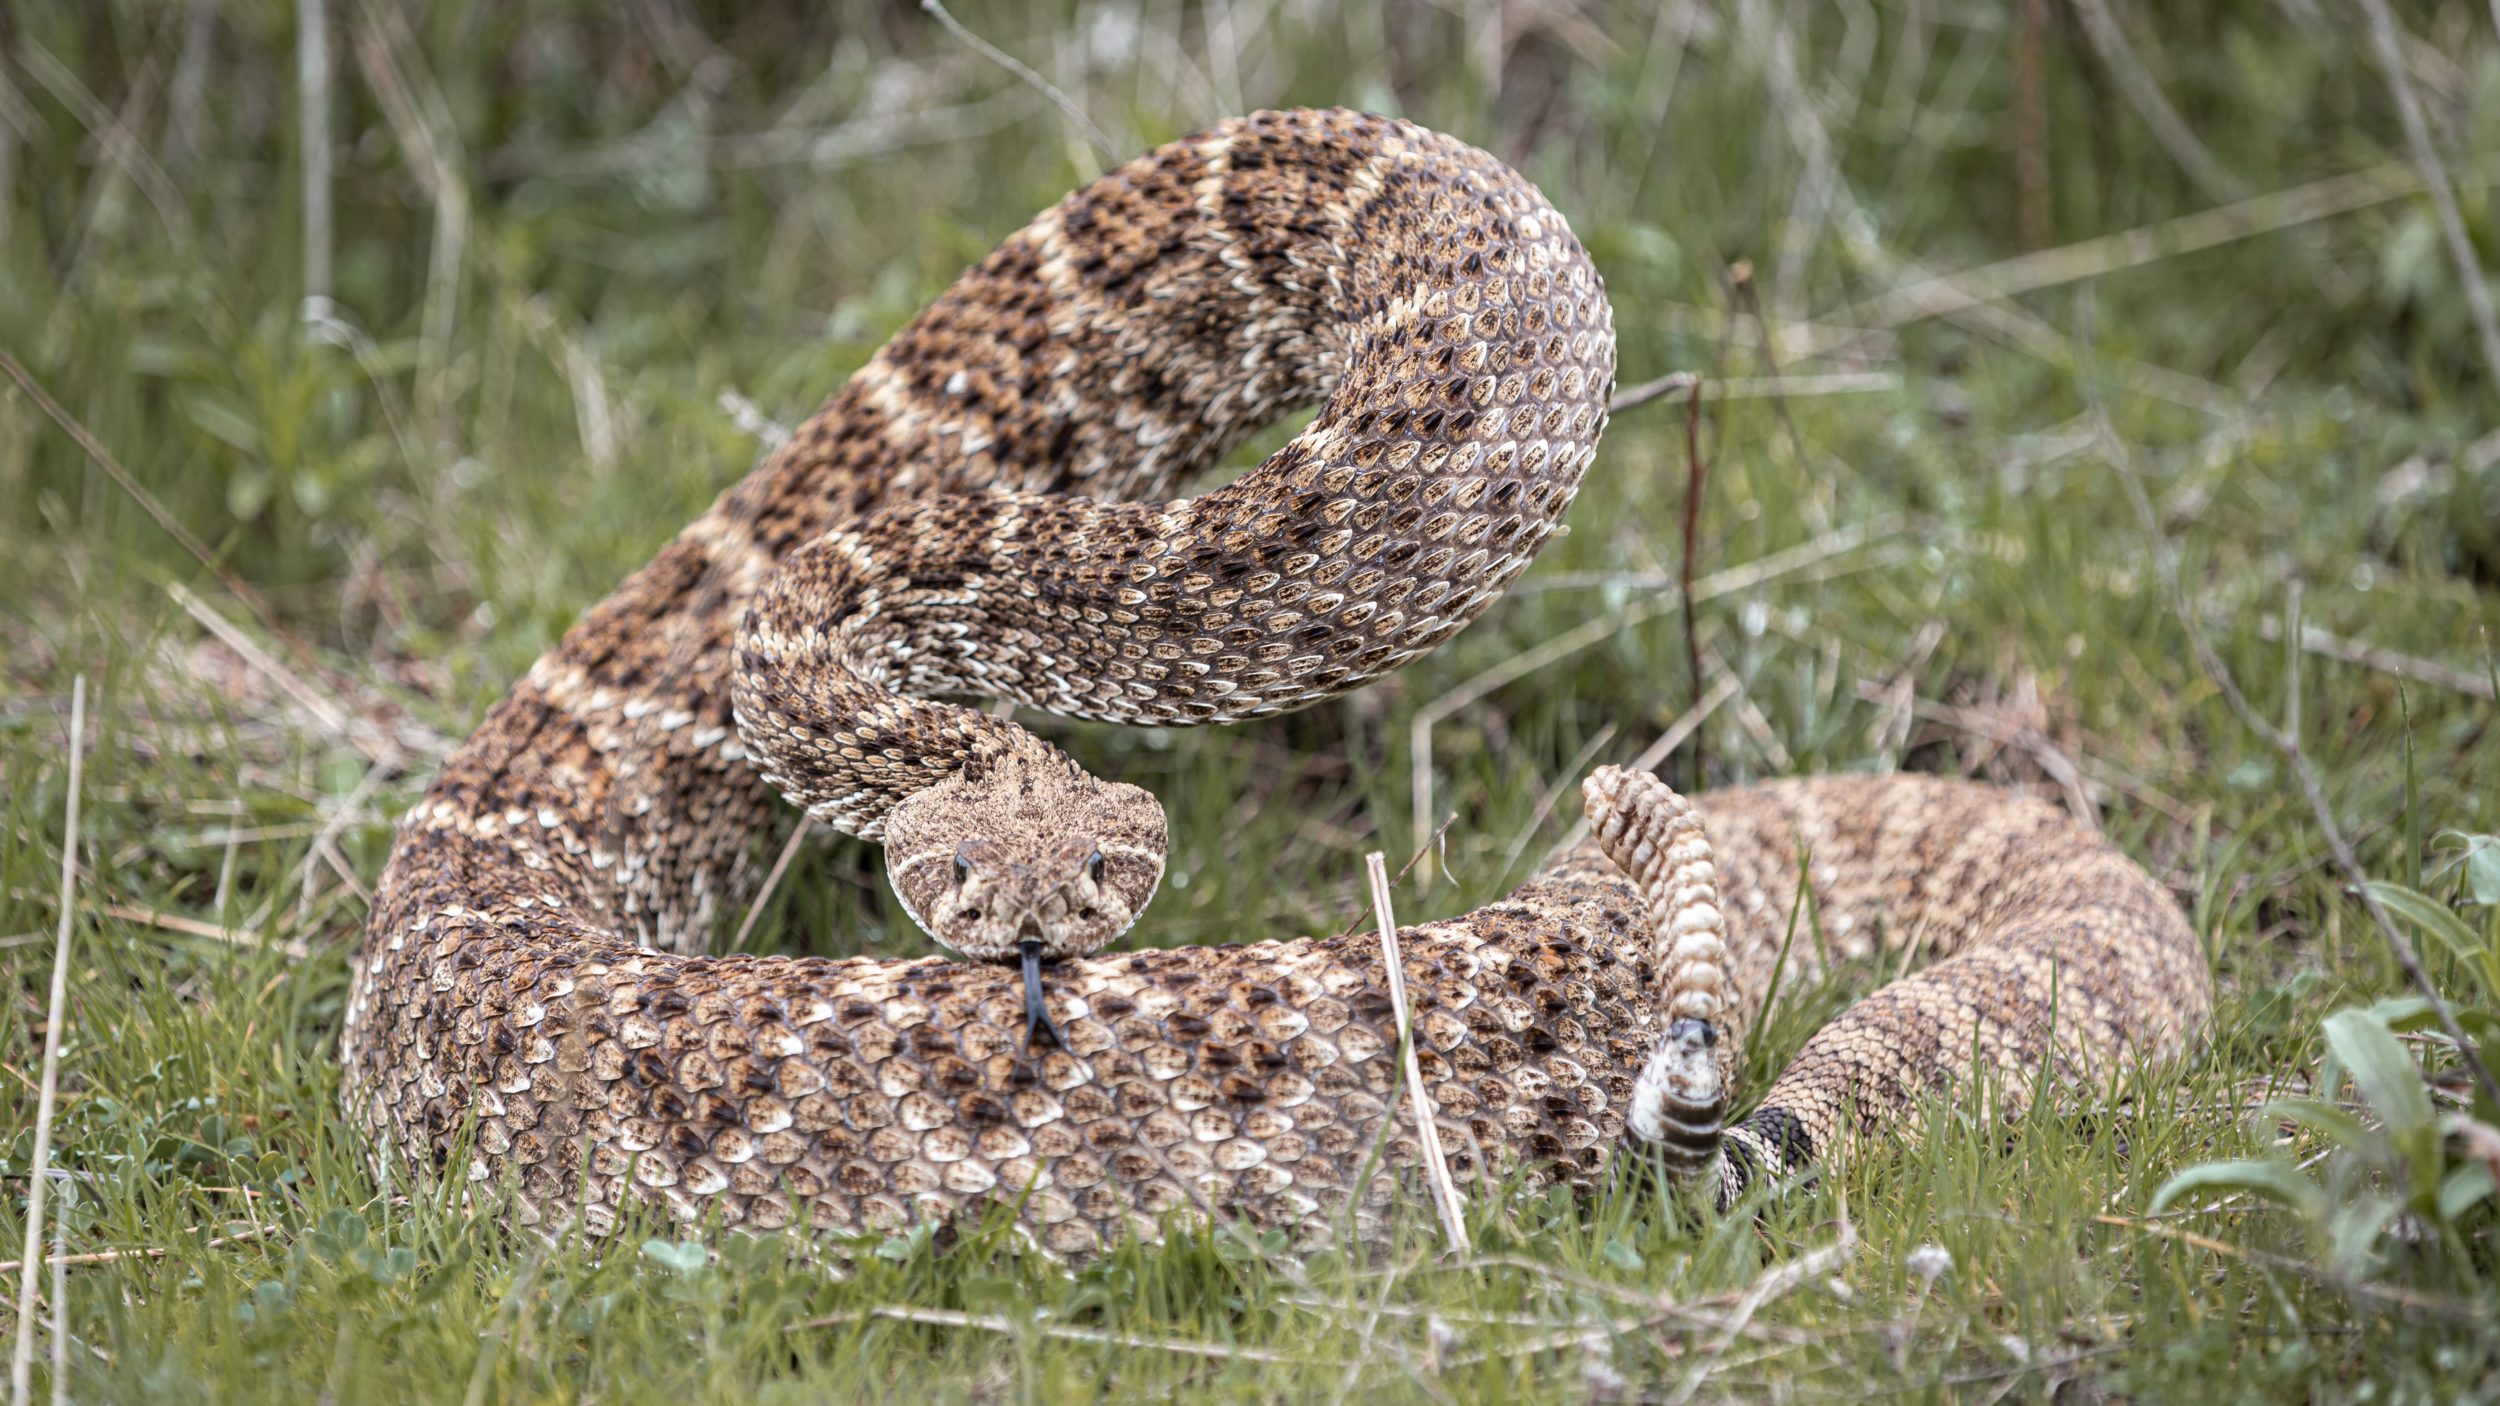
(984, 511)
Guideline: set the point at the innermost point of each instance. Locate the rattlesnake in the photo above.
(528, 1013)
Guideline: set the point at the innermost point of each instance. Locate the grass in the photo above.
(565, 239)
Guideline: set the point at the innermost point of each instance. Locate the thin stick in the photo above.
(2434, 174)
(1065, 1332)
(1436, 1166)
(1680, 385)
(144, 1252)
(22, 1363)
(192, 927)
(772, 881)
(2315, 790)
(2370, 656)
(1066, 105)
(1943, 294)
(1674, 385)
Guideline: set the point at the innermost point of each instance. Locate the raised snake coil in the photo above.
(524, 1001)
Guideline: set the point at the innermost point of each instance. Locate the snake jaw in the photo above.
(1036, 1010)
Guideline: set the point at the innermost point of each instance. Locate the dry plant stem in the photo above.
(192, 927)
(1067, 106)
(2385, 661)
(420, 122)
(2031, 127)
(22, 1363)
(1675, 385)
(144, 1252)
(772, 883)
(1941, 295)
(1680, 385)
(1427, 1132)
(2211, 665)
(950, 1318)
(2434, 176)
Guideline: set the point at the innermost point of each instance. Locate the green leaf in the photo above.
(2463, 1188)
(2431, 916)
(2327, 1121)
(2357, 1228)
(2482, 866)
(2279, 1182)
(2386, 1075)
(683, 1256)
(2405, 1014)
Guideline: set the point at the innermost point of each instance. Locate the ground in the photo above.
(1953, 275)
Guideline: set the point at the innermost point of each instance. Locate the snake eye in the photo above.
(1093, 867)
(963, 869)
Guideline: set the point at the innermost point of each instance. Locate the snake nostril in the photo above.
(1090, 914)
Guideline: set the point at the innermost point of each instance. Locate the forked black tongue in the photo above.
(1036, 1010)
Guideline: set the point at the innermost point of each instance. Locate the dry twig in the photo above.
(21, 1364)
(1427, 1132)
(192, 927)
(1065, 1332)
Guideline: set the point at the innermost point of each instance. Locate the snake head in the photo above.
(1022, 850)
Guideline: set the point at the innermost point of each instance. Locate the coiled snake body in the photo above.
(961, 518)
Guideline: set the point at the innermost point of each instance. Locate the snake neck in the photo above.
(834, 663)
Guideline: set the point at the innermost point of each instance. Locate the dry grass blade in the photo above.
(143, 1252)
(1722, 689)
(772, 884)
(2109, 40)
(1066, 1332)
(334, 717)
(21, 1364)
(1427, 1132)
(2386, 661)
(1944, 294)
(1680, 386)
(192, 927)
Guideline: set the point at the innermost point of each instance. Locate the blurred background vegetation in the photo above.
(397, 333)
